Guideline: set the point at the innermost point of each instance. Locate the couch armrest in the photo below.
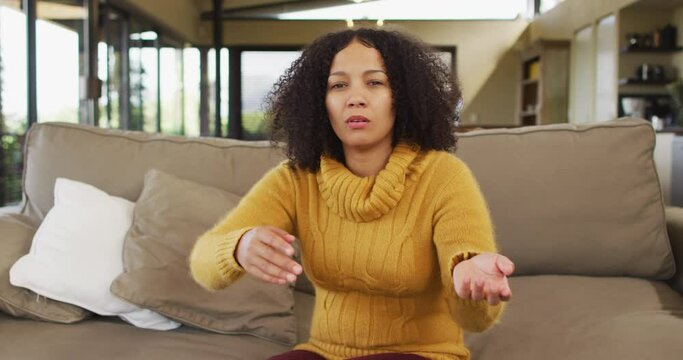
(674, 226)
(11, 209)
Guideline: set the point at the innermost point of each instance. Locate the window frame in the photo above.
(235, 82)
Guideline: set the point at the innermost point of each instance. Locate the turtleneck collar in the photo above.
(363, 199)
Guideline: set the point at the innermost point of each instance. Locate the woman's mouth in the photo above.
(357, 122)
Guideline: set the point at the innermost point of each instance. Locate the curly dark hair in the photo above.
(425, 97)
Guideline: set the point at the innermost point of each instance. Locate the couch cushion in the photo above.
(574, 199)
(170, 215)
(10, 209)
(116, 161)
(573, 317)
(674, 224)
(110, 338)
(16, 235)
(303, 310)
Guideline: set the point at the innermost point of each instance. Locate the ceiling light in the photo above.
(406, 10)
(146, 35)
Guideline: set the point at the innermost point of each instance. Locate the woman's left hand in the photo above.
(484, 276)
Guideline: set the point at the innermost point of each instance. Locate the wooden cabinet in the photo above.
(544, 80)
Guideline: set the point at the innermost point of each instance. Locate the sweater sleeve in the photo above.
(271, 201)
(463, 229)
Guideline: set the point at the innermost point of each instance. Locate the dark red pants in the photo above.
(307, 355)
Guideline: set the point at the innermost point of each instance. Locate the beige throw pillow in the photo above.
(16, 235)
(170, 215)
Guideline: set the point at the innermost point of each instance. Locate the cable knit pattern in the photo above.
(380, 251)
(366, 198)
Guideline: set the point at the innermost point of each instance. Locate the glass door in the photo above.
(13, 103)
(60, 57)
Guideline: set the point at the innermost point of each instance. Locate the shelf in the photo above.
(631, 81)
(650, 50)
(678, 130)
(544, 70)
(651, 97)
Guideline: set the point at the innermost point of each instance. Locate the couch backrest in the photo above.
(565, 199)
(116, 161)
(574, 199)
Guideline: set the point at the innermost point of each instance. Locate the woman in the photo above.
(395, 234)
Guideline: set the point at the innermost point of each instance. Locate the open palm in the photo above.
(484, 276)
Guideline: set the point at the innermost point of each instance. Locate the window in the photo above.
(13, 105)
(260, 70)
(159, 78)
(212, 90)
(150, 81)
(108, 102)
(190, 91)
(59, 36)
(172, 100)
(109, 61)
(143, 79)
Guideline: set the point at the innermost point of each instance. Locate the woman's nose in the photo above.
(356, 102)
(356, 98)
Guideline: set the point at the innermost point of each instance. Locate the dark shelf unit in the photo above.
(632, 81)
(543, 83)
(651, 50)
(656, 104)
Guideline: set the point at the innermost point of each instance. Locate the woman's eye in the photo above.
(375, 83)
(337, 86)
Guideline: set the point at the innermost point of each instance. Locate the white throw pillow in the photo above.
(77, 253)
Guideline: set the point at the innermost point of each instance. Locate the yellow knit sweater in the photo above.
(379, 250)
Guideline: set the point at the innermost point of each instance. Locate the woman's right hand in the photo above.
(265, 252)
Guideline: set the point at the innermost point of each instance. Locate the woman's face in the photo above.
(359, 101)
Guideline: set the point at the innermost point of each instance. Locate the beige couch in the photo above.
(578, 208)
